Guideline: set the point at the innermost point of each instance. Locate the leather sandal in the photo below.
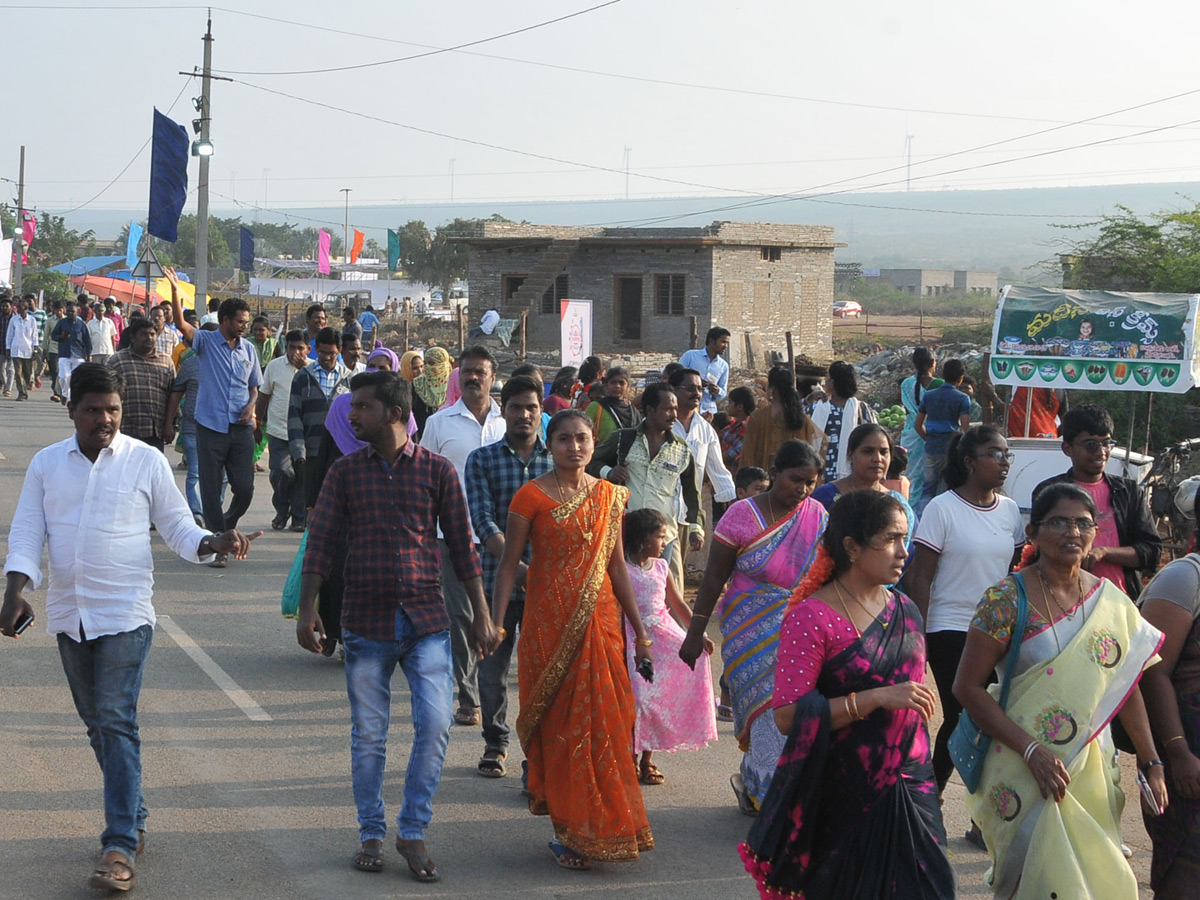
(115, 873)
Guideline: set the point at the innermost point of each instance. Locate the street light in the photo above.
(202, 147)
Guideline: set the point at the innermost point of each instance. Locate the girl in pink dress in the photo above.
(675, 710)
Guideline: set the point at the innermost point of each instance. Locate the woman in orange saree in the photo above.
(577, 706)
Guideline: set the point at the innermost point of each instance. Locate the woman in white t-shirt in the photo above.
(968, 539)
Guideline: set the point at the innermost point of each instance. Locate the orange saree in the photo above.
(577, 708)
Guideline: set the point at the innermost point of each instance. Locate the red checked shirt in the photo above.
(391, 516)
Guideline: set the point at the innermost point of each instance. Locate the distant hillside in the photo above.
(1011, 231)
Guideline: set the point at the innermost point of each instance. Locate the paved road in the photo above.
(247, 776)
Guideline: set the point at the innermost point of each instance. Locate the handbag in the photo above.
(290, 605)
(968, 744)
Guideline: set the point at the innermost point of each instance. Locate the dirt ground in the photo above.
(907, 327)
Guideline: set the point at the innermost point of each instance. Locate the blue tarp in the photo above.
(87, 265)
(127, 275)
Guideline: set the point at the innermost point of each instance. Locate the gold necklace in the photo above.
(1046, 590)
(845, 609)
(771, 507)
(562, 498)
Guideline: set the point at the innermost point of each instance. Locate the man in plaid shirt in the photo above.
(390, 498)
(494, 473)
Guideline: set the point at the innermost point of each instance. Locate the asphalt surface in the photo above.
(246, 760)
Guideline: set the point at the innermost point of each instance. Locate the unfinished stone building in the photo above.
(646, 284)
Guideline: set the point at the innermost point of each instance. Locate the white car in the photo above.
(846, 309)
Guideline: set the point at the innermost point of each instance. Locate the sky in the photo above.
(694, 97)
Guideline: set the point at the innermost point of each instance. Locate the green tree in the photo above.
(55, 243)
(52, 285)
(1160, 252)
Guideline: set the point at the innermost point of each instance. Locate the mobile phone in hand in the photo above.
(1148, 795)
(22, 623)
(645, 668)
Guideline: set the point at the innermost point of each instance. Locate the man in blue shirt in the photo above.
(370, 326)
(228, 394)
(942, 412)
(713, 369)
(74, 348)
(494, 473)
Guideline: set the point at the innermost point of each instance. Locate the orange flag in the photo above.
(356, 247)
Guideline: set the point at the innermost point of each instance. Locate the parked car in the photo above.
(846, 309)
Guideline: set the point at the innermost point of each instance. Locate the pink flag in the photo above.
(323, 252)
(28, 230)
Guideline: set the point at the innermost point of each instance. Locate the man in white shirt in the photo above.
(287, 490)
(472, 422)
(100, 481)
(705, 444)
(713, 369)
(104, 337)
(487, 324)
(22, 342)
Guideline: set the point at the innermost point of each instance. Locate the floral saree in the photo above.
(577, 706)
(1065, 698)
(769, 566)
(853, 814)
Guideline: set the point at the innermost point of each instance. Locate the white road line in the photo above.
(220, 677)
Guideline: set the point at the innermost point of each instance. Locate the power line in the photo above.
(434, 52)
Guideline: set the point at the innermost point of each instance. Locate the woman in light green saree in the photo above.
(1049, 802)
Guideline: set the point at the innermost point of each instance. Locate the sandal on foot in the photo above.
(491, 764)
(420, 865)
(115, 873)
(648, 774)
(467, 715)
(370, 857)
(278, 523)
(975, 837)
(568, 858)
(745, 804)
(724, 712)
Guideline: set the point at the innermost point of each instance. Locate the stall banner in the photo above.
(576, 331)
(1095, 340)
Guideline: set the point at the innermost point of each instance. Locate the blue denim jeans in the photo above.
(934, 484)
(105, 677)
(425, 661)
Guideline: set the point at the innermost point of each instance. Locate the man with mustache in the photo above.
(472, 422)
(100, 481)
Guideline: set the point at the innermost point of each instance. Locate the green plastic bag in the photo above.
(290, 606)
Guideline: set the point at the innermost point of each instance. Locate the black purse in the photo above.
(968, 745)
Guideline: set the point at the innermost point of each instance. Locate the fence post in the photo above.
(407, 345)
(693, 336)
(791, 353)
(462, 333)
(524, 316)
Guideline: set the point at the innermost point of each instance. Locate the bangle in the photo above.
(503, 632)
(1150, 765)
(645, 643)
(846, 701)
(1178, 737)
(1028, 754)
(853, 703)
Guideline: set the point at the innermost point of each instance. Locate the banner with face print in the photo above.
(1095, 340)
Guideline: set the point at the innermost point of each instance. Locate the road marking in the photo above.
(220, 677)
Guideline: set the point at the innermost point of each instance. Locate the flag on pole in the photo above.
(168, 177)
(356, 247)
(131, 248)
(323, 252)
(247, 254)
(393, 251)
(28, 230)
(6, 255)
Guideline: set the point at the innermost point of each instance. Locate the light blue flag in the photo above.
(131, 251)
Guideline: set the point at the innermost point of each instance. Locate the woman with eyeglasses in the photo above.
(851, 812)
(1048, 801)
(968, 539)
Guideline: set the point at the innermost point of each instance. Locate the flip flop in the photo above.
(106, 875)
(649, 774)
(467, 715)
(568, 858)
(370, 857)
(492, 766)
(724, 712)
(420, 865)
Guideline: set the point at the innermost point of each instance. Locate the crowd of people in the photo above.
(451, 517)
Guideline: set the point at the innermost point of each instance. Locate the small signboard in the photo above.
(1095, 340)
(576, 331)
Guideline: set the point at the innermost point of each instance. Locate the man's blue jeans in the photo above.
(192, 483)
(105, 677)
(934, 484)
(369, 668)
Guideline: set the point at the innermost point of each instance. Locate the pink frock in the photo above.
(675, 711)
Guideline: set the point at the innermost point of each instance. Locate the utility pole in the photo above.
(628, 150)
(452, 161)
(19, 237)
(908, 139)
(346, 227)
(202, 186)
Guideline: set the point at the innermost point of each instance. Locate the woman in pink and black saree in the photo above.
(1049, 802)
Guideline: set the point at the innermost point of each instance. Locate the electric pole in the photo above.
(19, 237)
(201, 305)
(346, 227)
(628, 150)
(908, 139)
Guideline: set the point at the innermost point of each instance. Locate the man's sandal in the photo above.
(370, 857)
(568, 858)
(648, 773)
(491, 764)
(115, 873)
(420, 865)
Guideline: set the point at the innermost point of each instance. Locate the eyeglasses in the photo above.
(1063, 525)
(1093, 446)
(1000, 456)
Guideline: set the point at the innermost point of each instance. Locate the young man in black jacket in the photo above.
(1127, 540)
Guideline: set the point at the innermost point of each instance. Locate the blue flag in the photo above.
(247, 256)
(131, 250)
(168, 177)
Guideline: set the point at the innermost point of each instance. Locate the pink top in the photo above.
(1106, 534)
(812, 632)
(555, 403)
